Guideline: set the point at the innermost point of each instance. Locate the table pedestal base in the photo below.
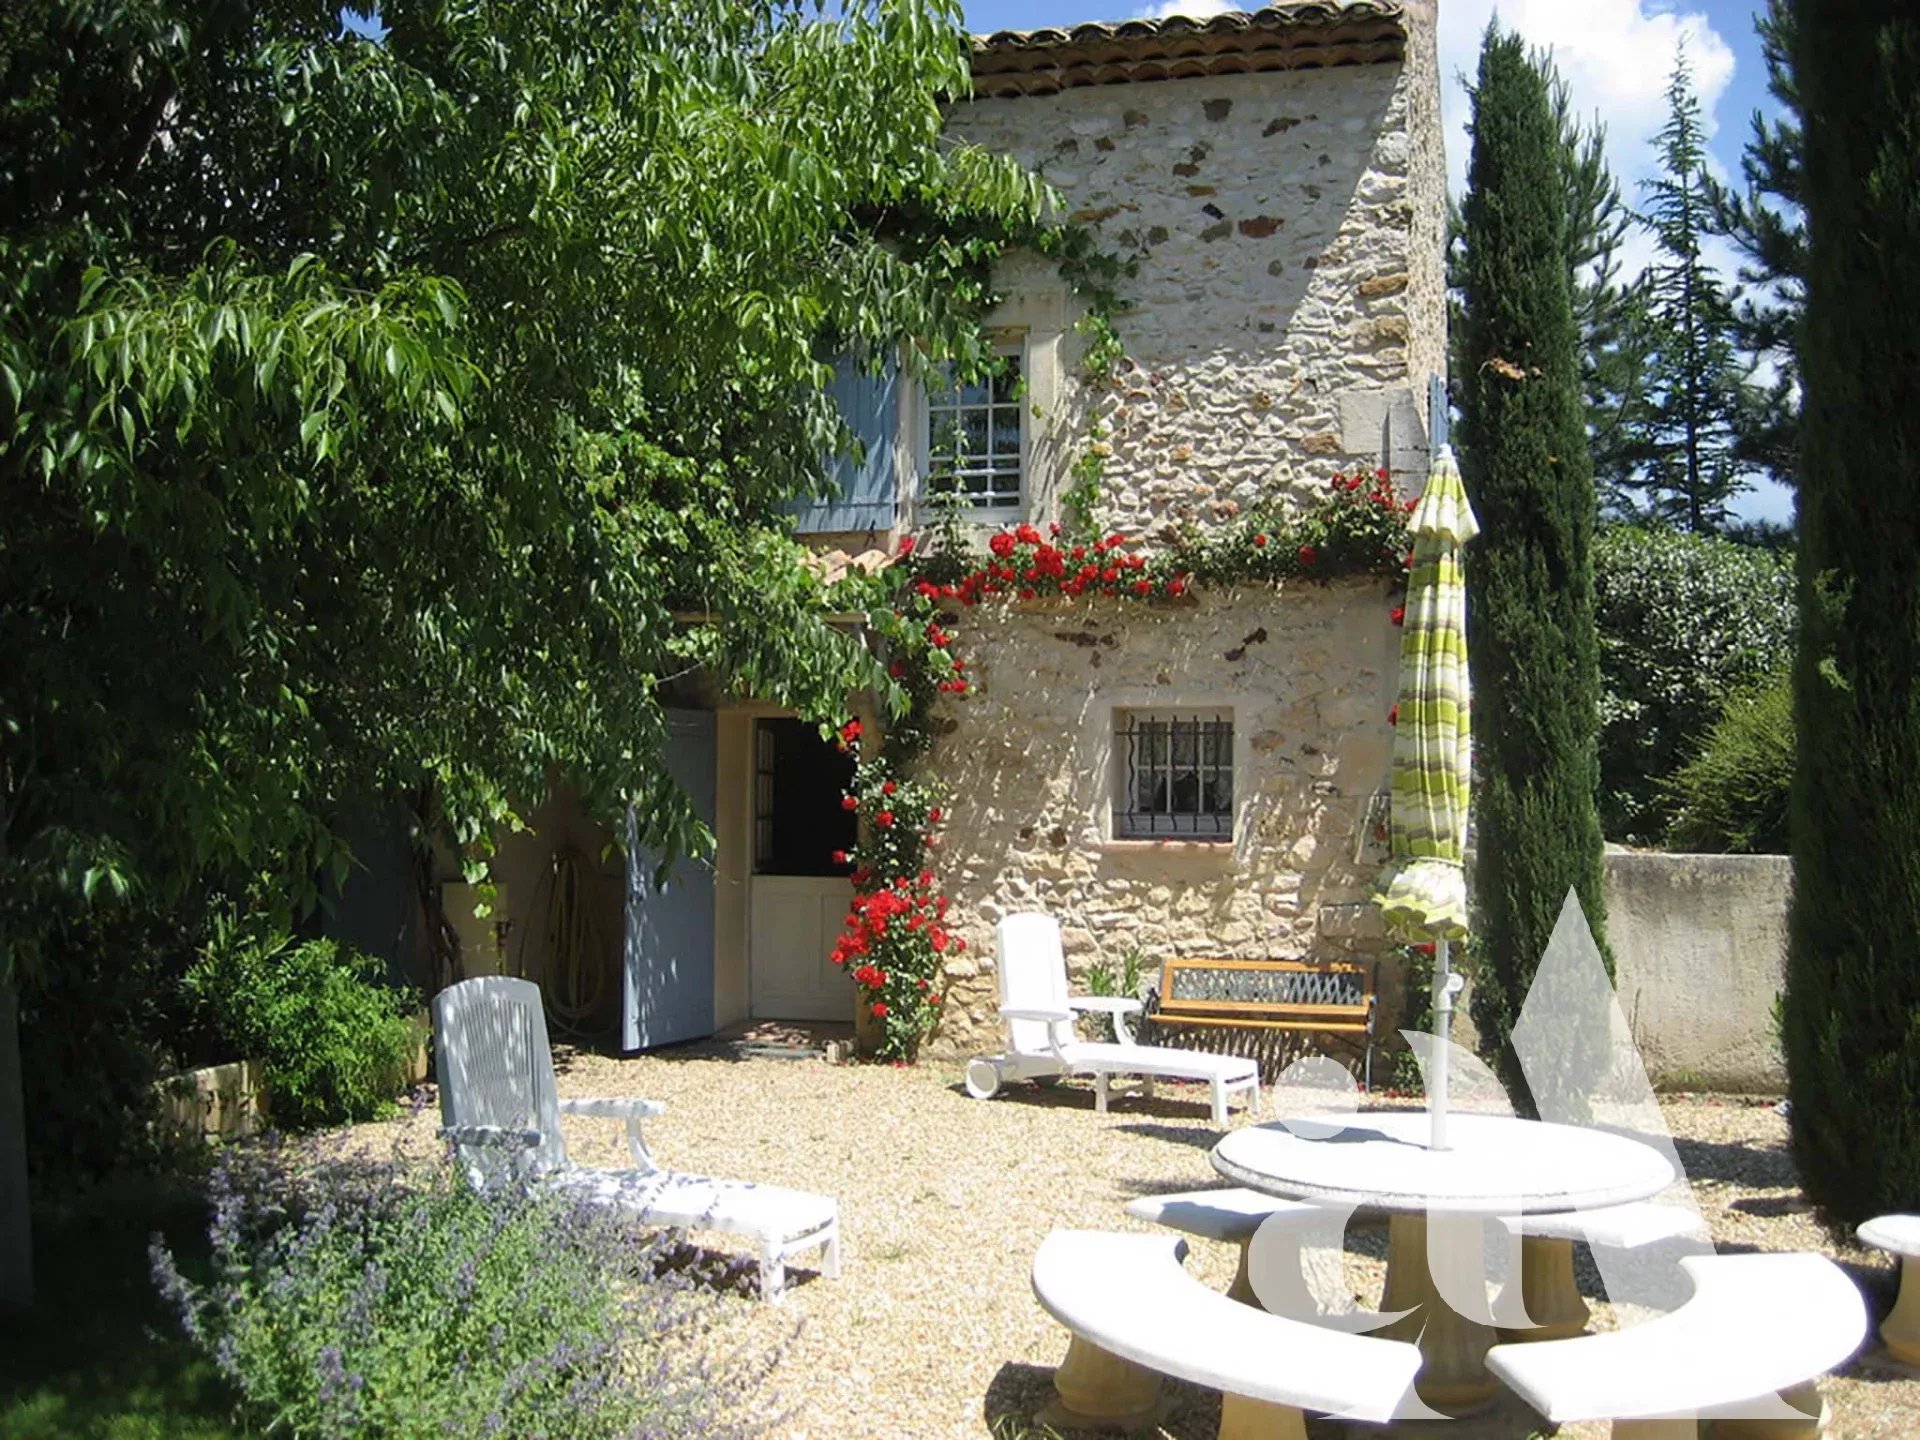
(1804, 1398)
(1095, 1389)
(1244, 1419)
(1453, 1370)
(1901, 1329)
(1687, 1429)
(1547, 1286)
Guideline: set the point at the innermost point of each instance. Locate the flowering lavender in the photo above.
(389, 1299)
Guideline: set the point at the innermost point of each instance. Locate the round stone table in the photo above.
(1382, 1161)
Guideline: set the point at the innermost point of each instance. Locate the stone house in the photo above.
(1277, 180)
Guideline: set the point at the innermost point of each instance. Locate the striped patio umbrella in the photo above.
(1425, 893)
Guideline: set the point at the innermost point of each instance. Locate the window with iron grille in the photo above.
(976, 438)
(1176, 775)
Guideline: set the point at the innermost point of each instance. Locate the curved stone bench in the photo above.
(1756, 1326)
(1899, 1235)
(1136, 1314)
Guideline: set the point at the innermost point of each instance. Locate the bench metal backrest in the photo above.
(1033, 976)
(494, 1067)
(1338, 988)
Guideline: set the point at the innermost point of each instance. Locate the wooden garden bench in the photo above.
(1333, 997)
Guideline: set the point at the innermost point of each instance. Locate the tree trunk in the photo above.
(16, 1220)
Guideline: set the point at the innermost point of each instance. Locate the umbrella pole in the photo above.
(1443, 1032)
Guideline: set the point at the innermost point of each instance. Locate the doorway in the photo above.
(798, 892)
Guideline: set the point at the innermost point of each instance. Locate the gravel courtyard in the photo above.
(932, 1330)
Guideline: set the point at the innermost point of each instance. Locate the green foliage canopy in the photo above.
(1685, 622)
(379, 415)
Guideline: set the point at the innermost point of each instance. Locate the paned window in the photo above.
(976, 439)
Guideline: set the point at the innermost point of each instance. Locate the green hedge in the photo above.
(1686, 622)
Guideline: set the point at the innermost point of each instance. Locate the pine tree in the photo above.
(1852, 1004)
(1766, 227)
(1697, 388)
(1531, 640)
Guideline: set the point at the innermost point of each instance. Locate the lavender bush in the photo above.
(391, 1301)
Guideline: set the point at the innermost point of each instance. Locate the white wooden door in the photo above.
(794, 922)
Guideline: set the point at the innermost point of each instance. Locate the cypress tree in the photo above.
(1532, 648)
(1852, 1004)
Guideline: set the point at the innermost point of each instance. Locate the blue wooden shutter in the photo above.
(667, 989)
(1439, 419)
(868, 491)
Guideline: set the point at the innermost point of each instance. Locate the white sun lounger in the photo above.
(499, 1108)
(1039, 1015)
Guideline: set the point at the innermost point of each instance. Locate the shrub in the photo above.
(1733, 795)
(392, 1300)
(333, 1039)
(1104, 982)
(1685, 622)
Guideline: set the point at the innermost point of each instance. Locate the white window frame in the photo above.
(1218, 829)
(1016, 348)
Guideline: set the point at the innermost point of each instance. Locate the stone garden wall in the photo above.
(1699, 945)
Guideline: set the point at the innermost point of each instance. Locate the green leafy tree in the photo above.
(401, 417)
(1696, 386)
(1531, 639)
(1765, 224)
(1852, 1004)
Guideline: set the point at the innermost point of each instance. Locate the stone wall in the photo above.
(1306, 672)
(1287, 306)
(1699, 945)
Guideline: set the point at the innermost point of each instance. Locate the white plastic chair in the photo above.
(499, 1108)
(1039, 1017)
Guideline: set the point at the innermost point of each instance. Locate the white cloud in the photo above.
(1615, 55)
(1198, 9)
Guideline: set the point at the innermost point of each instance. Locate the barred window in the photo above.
(975, 438)
(1176, 775)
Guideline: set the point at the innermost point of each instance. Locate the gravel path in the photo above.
(932, 1330)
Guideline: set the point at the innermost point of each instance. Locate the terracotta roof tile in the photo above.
(833, 565)
(1303, 34)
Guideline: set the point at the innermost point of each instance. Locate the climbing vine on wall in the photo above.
(895, 940)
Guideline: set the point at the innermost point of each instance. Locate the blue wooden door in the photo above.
(667, 994)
